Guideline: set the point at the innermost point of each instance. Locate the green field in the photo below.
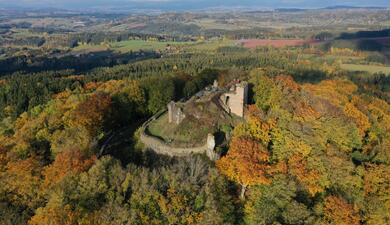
(91, 48)
(210, 46)
(132, 45)
(366, 68)
(207, 23)
(136, 45)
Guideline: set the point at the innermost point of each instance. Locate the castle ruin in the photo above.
(235, 99)
(231, 99)
(212, 105)
(175, 113)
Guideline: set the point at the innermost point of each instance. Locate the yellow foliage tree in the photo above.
(310, 178)
(255, 127)
(359, 118)
(55, 215)
(246, 163)
(337, 92)
(21, 180)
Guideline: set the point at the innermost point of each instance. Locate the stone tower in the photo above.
(175, 113)
(236, 99)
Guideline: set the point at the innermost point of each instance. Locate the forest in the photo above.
(313, 147)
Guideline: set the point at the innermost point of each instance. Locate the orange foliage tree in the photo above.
(56, 215)
(376, 180)
(310, 178)
(337, 92)
(91, 113)
(338, 211)
(361, 120)
(247, 163)
(21, 181)
(66, 163)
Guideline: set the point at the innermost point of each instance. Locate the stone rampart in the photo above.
(160, 147)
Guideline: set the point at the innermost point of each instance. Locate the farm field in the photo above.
(214, 24)
(278, 43)
(131, 45)
(366, 68)
(91, 48)
(210, 46)
(136, 45)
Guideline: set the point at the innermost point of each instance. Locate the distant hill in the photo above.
(353, 7)
(189, 5)
(290, 10)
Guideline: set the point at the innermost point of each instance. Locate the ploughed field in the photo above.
(277, 43)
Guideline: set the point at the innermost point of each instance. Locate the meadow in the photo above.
(133, 45)
(366, 68)
(136, 45)
(210, 45)
(277, 43)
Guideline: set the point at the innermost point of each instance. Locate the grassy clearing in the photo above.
(214, 24)
(330, 59)
(136, 45)
(91, 48)
(23, 33)
(132, 45)
(366, 68)
(210, 46)
(186, 134)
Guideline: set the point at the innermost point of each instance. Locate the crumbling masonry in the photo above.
(175, 113)
(235, 100)
(231, 99)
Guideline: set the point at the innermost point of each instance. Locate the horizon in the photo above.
(184, 5)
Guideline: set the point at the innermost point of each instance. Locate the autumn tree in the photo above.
(377, 192)
(68, 162)
(21, 182)
(339, 211)
(359, 118)
(255, 126)
(267, 94)
(247, 163)
(91, 113)
(311, 177)
(3, 158)
(55, 214)
(275, 203)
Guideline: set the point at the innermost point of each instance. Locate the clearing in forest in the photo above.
(277, 43)
(367, 68)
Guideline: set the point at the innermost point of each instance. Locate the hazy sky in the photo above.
(189, 4)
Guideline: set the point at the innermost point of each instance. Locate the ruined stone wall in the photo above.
(160, 147)
(175, 113)
(236, 100)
